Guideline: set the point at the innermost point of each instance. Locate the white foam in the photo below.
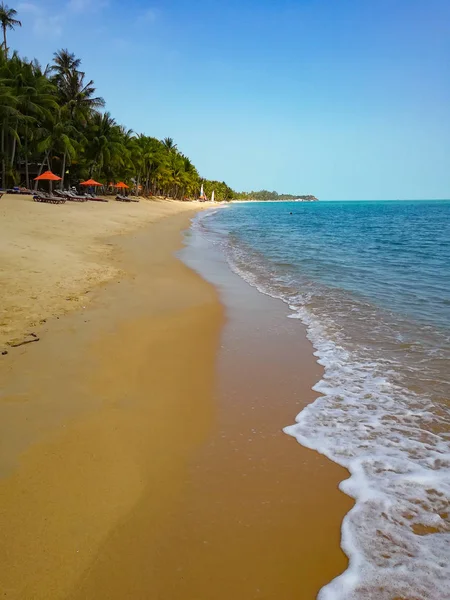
(397, 535)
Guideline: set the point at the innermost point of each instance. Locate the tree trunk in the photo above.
(4, 40)
(41, 168)
(13, 151)
(138, 181)
(27, 174)
(61, 183)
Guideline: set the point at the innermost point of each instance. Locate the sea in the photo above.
(371, 282)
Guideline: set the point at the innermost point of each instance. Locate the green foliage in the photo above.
(221, 190)
(266, 195)
(54, 120)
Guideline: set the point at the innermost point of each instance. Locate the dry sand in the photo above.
(52, 256)
(141, 448)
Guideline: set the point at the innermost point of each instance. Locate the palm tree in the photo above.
(60, 140)
(79, 98)
(35, 99)
(8, 112)
(53, 118)
(64, 63)
(108, 148)
(169, 144)
(74, 92)
(8, 22)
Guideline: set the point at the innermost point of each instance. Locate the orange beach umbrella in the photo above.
(91, 182)
(47, 176)
(121, 184)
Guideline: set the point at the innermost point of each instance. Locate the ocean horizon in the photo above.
(352, 200)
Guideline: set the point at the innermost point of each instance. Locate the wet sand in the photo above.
(142, 452)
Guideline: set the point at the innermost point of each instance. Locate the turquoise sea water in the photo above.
(371, 281)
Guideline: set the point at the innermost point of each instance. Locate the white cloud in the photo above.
(82, 6)
(150, 15)
(54, 25)
(48, 26)
(27, 7)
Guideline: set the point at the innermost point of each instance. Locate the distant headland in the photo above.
(264, 195)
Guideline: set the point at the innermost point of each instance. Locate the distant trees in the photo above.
(266, 195)
(221, 189)
(54, 119)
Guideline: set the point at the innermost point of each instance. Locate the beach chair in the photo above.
(122, 198)
(43, 197)
(96, 198)
(75, 197)
(69, 196)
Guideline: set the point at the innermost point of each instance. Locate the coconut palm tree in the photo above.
(36, 99)
(78, 96)
(74, 92)
(53, 119)
(60, 141)
(169, 144)
(64, 63)
(8, 21)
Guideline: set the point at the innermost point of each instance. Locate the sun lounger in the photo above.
(122, 198)
(96, 198)
(71, 196)
(40, 197)
(75, 198)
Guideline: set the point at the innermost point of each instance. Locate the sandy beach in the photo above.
(141, 446)
(54, 256)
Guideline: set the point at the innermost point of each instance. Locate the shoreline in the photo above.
(114, 465)
(267, 372)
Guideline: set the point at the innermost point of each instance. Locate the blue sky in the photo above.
(344, 99)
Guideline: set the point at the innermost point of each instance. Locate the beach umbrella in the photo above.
(121, 185)
(48, 176)
(90, 182)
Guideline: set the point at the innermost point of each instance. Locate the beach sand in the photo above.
(141, 446)
(52, 256)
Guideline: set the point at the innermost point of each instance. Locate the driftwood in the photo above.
(23, 342)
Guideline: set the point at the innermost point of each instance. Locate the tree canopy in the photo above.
(54, 119)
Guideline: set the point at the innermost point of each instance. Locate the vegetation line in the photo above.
(52, 119)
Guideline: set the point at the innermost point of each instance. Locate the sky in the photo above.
(343, 99)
